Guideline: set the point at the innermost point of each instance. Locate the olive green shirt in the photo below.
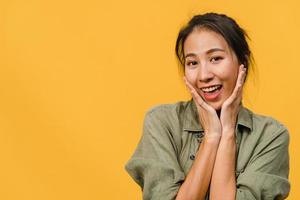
(172, 135)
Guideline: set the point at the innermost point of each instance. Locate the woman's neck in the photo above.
(218, 112)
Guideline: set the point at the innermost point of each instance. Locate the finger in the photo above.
(237, 91)
(239, 82)
(241, 79)
(243, 72)
(194, 93)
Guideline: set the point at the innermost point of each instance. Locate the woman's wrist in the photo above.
(213, 138)
(228, 134)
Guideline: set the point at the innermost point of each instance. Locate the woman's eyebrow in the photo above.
(190, 55)
(214, 49)
(207, 52)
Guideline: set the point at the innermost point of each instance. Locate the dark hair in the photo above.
(234, 35)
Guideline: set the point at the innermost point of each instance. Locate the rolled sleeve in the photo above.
(154, 165)
(266, 175)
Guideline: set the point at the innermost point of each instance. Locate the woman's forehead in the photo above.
(205, 41)
(202, 41)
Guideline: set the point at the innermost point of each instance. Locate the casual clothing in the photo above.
(172, 135)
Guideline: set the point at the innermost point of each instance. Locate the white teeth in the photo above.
(209, 89)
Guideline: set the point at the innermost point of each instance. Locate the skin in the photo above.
(210, 61)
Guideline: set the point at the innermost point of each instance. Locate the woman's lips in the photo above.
(212, 96)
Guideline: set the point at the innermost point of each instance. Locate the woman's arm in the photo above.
(196, 184)
(197, 181)
(223, 182)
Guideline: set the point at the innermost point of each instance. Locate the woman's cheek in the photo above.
(191, 76)
(227, 73)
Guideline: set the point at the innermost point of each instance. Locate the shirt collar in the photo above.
(191, 122)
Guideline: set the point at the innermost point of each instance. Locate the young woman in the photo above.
(211, 147)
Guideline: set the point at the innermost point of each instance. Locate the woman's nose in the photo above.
(205, 74)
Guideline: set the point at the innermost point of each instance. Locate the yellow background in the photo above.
(76, 78)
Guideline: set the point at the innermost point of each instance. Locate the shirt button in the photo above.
(192, 157)
(198, 137)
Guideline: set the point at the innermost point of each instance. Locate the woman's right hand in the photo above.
(207, 115)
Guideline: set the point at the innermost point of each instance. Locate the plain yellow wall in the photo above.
(76, 78)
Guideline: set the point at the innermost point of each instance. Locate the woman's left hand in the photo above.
(231, 106)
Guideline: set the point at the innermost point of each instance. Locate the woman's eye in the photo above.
(191, 63)
(216, 59)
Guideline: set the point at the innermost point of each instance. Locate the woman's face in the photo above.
(210, 66)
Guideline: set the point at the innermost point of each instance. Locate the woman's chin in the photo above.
(215, 105)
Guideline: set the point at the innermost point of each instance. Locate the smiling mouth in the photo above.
(211, 89)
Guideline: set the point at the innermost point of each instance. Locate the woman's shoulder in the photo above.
(266, 121)
(172, 116)
(168, 110)
(268, 127)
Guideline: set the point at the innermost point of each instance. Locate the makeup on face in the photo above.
(210, 66)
